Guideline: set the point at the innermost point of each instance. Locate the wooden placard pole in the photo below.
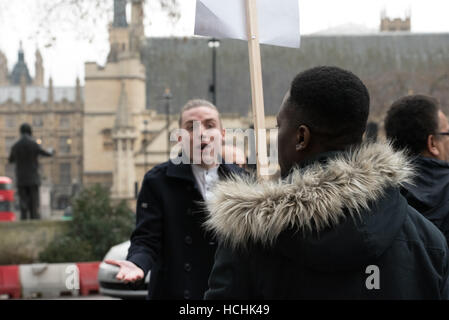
(255, 67)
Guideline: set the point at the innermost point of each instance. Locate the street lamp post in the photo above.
(167, 97)
(214, 44)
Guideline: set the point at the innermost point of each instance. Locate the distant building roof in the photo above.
(38, 93)
(391, 64)
(347, 29)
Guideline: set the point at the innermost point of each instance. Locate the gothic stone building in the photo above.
(117, 127)
(55, 114)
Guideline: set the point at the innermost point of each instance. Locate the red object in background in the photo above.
(6, 190)
(88, 277)
(6, 200)
(10, 281)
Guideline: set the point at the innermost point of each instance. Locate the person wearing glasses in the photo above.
(417, 123)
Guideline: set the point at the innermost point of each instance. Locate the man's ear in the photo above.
(302, 137)
(431, 146)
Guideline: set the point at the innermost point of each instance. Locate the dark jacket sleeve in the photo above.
(229, 278)
(445, 228)
(12, 155)
(445, 275)
(43, 152)
(147, 236)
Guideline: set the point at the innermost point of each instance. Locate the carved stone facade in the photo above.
(55, 115)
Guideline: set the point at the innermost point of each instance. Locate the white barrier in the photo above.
(49, 280)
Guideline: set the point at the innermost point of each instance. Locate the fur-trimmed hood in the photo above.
(312, 198)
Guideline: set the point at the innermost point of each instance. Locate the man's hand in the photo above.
(128, 272)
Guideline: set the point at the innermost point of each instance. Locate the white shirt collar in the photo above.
(205, 179)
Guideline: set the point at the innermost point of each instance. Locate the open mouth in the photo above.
(203, 146)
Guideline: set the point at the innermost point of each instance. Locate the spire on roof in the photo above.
(3, 69)
(20, 69)
(21, 57)
(120, 14)
(123, 118)
(39, 69)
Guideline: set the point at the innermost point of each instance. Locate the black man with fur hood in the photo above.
(336, 225)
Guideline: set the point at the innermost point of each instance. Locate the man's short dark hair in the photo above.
(333, 103)
(409, 122)
(195, 103)
(25, 128)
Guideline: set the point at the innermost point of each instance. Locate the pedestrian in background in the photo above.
(417, 124)
(25, 154)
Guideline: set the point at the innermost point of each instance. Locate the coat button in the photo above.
(188, 240)
(186, 294)
(212, 243)
(187, 267)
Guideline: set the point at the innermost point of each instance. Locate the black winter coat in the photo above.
(429, 194)
(336, 229)
(169, 238)
(25, 154)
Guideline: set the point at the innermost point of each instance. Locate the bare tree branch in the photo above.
(86, 16)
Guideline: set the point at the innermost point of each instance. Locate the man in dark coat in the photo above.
(417, 124)
(169, 239)
(24, 154)
(336, 225)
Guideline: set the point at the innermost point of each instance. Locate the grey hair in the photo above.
(195, 103)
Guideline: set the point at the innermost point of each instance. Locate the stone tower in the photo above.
(137, 34)
(391, 25)
(112, 93)
(119, 32)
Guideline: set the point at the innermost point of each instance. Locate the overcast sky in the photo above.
(65, 59)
